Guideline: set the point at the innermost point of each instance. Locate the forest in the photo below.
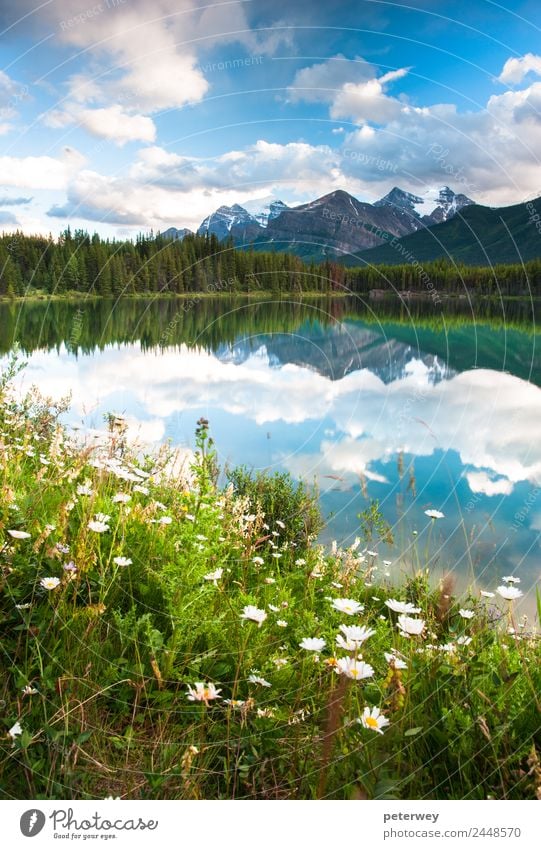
(80, 264)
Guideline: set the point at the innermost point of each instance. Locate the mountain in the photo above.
(433, 207)
(232, 221)
(336, 223)
(270, 211)
(173, 233)
(475, 235)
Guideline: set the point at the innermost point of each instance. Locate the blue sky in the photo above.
(123, 115)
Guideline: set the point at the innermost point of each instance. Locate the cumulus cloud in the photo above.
(40, 172)
(110, 123)
(516, 69)
(482, 482)
(321, 81)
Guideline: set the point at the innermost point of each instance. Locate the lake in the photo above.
(418, 406)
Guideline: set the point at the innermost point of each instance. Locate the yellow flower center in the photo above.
(371, 722)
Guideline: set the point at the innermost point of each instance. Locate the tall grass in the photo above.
(156, 573)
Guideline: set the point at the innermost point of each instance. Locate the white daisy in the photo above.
(355, 636)
(401, 606)
(354, 668)
(214, 576)
(122, 561)
(466, 614)
(19, 534)
(373, 719)
(409, 626)
(434, 514)
(509, 593)
(201, 692)
(312, 644)
(347, 605)
(254, 614)
(50, 583)
(395, 661)
(98, 527)
(257, 679)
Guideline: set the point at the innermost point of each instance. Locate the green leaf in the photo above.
(412, 731)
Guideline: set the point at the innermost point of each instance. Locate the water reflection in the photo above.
(417, 410)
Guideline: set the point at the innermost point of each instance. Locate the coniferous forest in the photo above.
(78, 263)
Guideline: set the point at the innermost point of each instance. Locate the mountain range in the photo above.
(337, 226)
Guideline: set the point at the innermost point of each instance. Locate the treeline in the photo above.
(84, 264)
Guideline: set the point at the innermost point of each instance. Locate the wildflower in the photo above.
(409, 626)
(316, 572)
(387, 563)
(372, 553)
(254, 613)
(300, 562)
(347, 605)
(23, 606)
(395, 661)
(235, 703)
(280, 524)
(258, 560)
(312, 644)
(434, 514)
(70, 567)
(280, 661)
(276, 554)
(19, 534)
(270, 581)
(509, 593)
(98, 527)
(466, 614)
(373, 719)
(164, 520)
(189, 517)
(510, 579)
(62, 548)
(336, 585)
(354, 636)
(281, 623)
(122, 561)
(203, 692)
(29, 691)
(354, 668)
(85, 489)
(487, 594)
(214, 576)
(15, 730)
(257, 679)
(265, 713)
(464, 641)
(49, 583)
(401, 606)
(273, 608)
(121, 498)
(144, 490)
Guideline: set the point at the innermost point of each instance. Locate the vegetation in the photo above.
(165, 637)
(82, 265)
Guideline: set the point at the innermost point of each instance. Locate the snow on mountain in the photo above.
(221, 222)
(432, 206)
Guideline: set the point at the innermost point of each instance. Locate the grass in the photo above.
(99, 667)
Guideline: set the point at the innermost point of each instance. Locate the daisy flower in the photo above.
(466, 614)
(434, 514)
(122, 561)
(257, 679)
(354, 668)
(409, 626)
(201, 692)
(312, 644)
(97, 526)
(49, 583)
(19, 534)
(253, 613)
(258, 560)
(510, 579)
(509, 593)
(214, 576)
(486, 594)
(281, 623)
(347, 605)
(354, 636)
(395, 661)
(373, 719)
(15, 730)
(401, 606)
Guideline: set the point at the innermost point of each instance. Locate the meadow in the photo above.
(170, 632)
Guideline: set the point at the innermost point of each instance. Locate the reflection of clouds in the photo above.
(473, 413)
(481, 482)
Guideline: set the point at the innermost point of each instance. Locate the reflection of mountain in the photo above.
(337, 350)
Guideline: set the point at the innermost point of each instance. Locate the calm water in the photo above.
(419, 407)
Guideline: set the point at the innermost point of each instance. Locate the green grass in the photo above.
(97, 670)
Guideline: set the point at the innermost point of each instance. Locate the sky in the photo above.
(122, 116)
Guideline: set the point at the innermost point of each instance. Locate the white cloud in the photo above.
(320, 82)
(482, 482)
(108, 123)
(516, 69)
(40, 172)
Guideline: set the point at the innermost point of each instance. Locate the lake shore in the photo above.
(165, 636)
